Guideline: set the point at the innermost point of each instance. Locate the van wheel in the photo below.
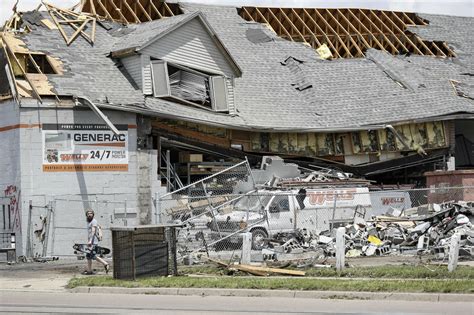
(258, 239)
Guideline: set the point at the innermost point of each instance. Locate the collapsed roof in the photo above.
(278, 84)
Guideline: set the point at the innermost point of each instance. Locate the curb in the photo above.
(345, 295)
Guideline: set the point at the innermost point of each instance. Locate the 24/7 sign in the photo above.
(84, 147)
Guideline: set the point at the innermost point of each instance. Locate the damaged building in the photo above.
(105, 104)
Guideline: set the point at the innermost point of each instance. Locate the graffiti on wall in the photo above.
(13, 194)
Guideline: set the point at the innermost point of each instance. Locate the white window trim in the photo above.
(181, 100)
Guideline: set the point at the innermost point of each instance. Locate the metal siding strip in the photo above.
(230, 91)
(147, 85)
(133, 66)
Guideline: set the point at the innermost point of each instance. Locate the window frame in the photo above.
(212, 79)
(275, 204)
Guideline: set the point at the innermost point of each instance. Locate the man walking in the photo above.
(92, 241)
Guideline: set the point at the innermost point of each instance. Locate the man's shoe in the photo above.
(88, 273)
(107, 268)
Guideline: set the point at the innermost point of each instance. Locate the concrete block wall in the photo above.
(10, 193)
(112, 194)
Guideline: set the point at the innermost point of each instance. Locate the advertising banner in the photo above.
(344, 197)
(84, 147)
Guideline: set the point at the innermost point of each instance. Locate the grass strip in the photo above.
(429, 286)
(386, 272)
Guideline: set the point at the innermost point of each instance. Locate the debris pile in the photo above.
(426, 229)
(257, 270)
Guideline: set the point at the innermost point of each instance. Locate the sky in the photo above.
(449, 7)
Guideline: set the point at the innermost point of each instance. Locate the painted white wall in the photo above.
(108, 193)
(10, 167)
(69, 188)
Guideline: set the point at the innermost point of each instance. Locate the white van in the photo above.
(267, 212)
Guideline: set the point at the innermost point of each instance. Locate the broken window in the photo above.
(189, 86)
(279, 204)
(33, 63)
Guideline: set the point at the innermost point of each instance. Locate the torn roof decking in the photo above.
(343, 94)
(125, 11)
(347, 32)
(87, 70)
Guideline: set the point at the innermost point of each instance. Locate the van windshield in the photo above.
(253, 203)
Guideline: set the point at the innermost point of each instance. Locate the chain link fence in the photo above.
(54, 226)
(296, 219)
(194, 204)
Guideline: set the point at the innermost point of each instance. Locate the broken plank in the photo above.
(49, 24)
(249, 270)
(220, 263)
(269, 270)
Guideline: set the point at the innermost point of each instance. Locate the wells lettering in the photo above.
(391, 200)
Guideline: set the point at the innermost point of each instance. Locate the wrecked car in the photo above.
(265, 213)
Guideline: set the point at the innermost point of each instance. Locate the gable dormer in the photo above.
(181, 59)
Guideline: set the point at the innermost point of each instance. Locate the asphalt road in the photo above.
(12, 302)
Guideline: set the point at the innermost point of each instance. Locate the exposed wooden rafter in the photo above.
(76, 21)
(130, 11)
(349, 32)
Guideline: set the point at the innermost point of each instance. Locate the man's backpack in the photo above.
(99, 233)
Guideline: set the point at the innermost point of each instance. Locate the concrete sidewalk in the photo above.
(54, 276)
(428, 297)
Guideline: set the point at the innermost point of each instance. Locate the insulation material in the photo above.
(368, 141)
(282, 142)
(404, 132)
(325, 144)
(255, 141)
(418, 133)
(387, 140)
(292, 142)
(324, 52)
(339, 145)
(302, 143)
(312, 143)
(274, 142)
(436, 135)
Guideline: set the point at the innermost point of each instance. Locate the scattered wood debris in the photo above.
(257, 270)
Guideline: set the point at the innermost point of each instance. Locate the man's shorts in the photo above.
(93, 253)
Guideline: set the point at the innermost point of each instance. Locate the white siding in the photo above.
(146, 75)
(190, 45)
(230, 96)
(10, 167)
(133, 65)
